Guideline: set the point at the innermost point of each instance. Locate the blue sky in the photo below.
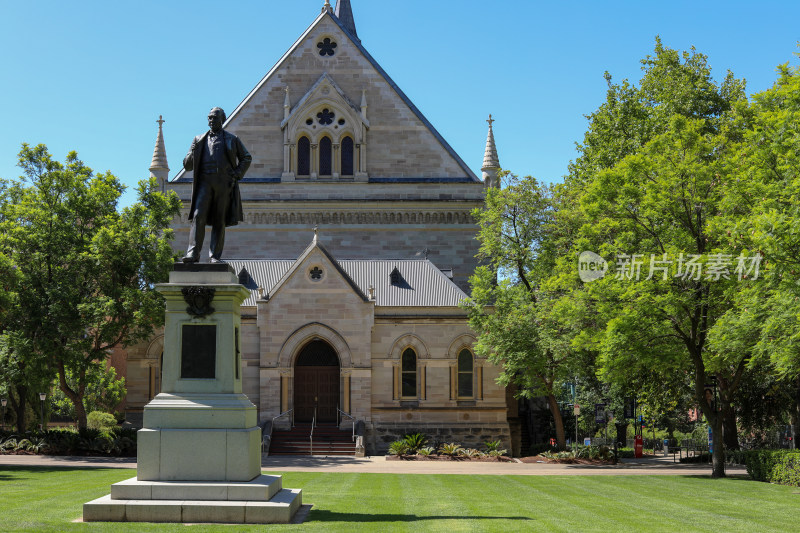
(93, 76)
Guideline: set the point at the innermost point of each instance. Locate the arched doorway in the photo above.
(316, 382)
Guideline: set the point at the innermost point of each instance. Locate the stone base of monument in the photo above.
(261, 501)
(199, 452)
(199, 437)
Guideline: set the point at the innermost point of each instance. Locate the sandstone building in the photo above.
(357, 245)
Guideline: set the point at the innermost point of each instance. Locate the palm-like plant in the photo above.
(451, 448)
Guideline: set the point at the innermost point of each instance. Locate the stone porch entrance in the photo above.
(316, 383)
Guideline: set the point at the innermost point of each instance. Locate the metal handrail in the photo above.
(274, 418)
(266, 440)
(351, 417)
(311, 437)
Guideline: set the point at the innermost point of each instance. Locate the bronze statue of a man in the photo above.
(219, 160)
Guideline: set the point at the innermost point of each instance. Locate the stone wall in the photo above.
(302, 310)
(372, 221)
(380, 436)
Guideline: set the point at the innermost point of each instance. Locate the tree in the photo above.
(648, 181)
(87, 269)
(763, 214)
(104, 392)
(512, 316)
(662, 203)
(673, 83)
(23, 373)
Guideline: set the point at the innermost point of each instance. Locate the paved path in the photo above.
(379, 465)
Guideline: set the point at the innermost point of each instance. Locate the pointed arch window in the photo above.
(408, 367)
(347, 156)
(303, 156)
(325, 157)
(465, 372)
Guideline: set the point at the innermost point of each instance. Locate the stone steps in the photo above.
(328, 440)
(261, 501)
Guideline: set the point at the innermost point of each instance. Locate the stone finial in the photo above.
(316, 233)
(364, 104)
(159, 168)
(344, 12)
(327, 7)
(491, 163)
(287, 105)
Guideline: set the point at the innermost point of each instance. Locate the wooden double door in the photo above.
(316, 383)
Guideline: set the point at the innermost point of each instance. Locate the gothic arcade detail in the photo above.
(325, 134)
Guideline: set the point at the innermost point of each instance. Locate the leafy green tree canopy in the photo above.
(87, 268)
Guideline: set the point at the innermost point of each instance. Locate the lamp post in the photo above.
(42, 396)
(4, 402)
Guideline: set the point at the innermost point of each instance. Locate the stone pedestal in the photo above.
(199, 452)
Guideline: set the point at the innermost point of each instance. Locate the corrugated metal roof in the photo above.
(421, 283)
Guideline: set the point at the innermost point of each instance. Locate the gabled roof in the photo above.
(423, 284)
(314, 246)
(357, 43)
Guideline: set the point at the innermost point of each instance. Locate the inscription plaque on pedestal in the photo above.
(198, 351)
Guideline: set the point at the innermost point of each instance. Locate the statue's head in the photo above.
(216, 118)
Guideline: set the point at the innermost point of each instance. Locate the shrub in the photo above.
(427, 450)
(497, 453)
(492, 445)
(129, 433)
(471, 453)
(100, 420)
(89, 433)
(787, 470)
(540, 447)
(101, 445)
(626, 453)
(63, 442)
(451, 448)
(415, 441)
(71, 442)
(774, 466)
(559, 455)
(398, 447)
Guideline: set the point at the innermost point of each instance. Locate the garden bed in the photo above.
(460, 458)
(566, 461)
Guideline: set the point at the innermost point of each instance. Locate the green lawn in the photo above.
(49, 499)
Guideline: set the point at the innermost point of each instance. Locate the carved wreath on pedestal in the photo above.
(199, 300)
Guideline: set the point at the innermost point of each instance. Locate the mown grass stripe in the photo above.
(49, 499)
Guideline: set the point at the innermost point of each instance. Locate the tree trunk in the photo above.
(730, 434)
(561, 438)
(714, 419)
(718, 454)
(622, 434)
(20, 405)
(75, 397)
(796, 416)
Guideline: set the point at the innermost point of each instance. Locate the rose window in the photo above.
(326, 117)
(326, 47)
